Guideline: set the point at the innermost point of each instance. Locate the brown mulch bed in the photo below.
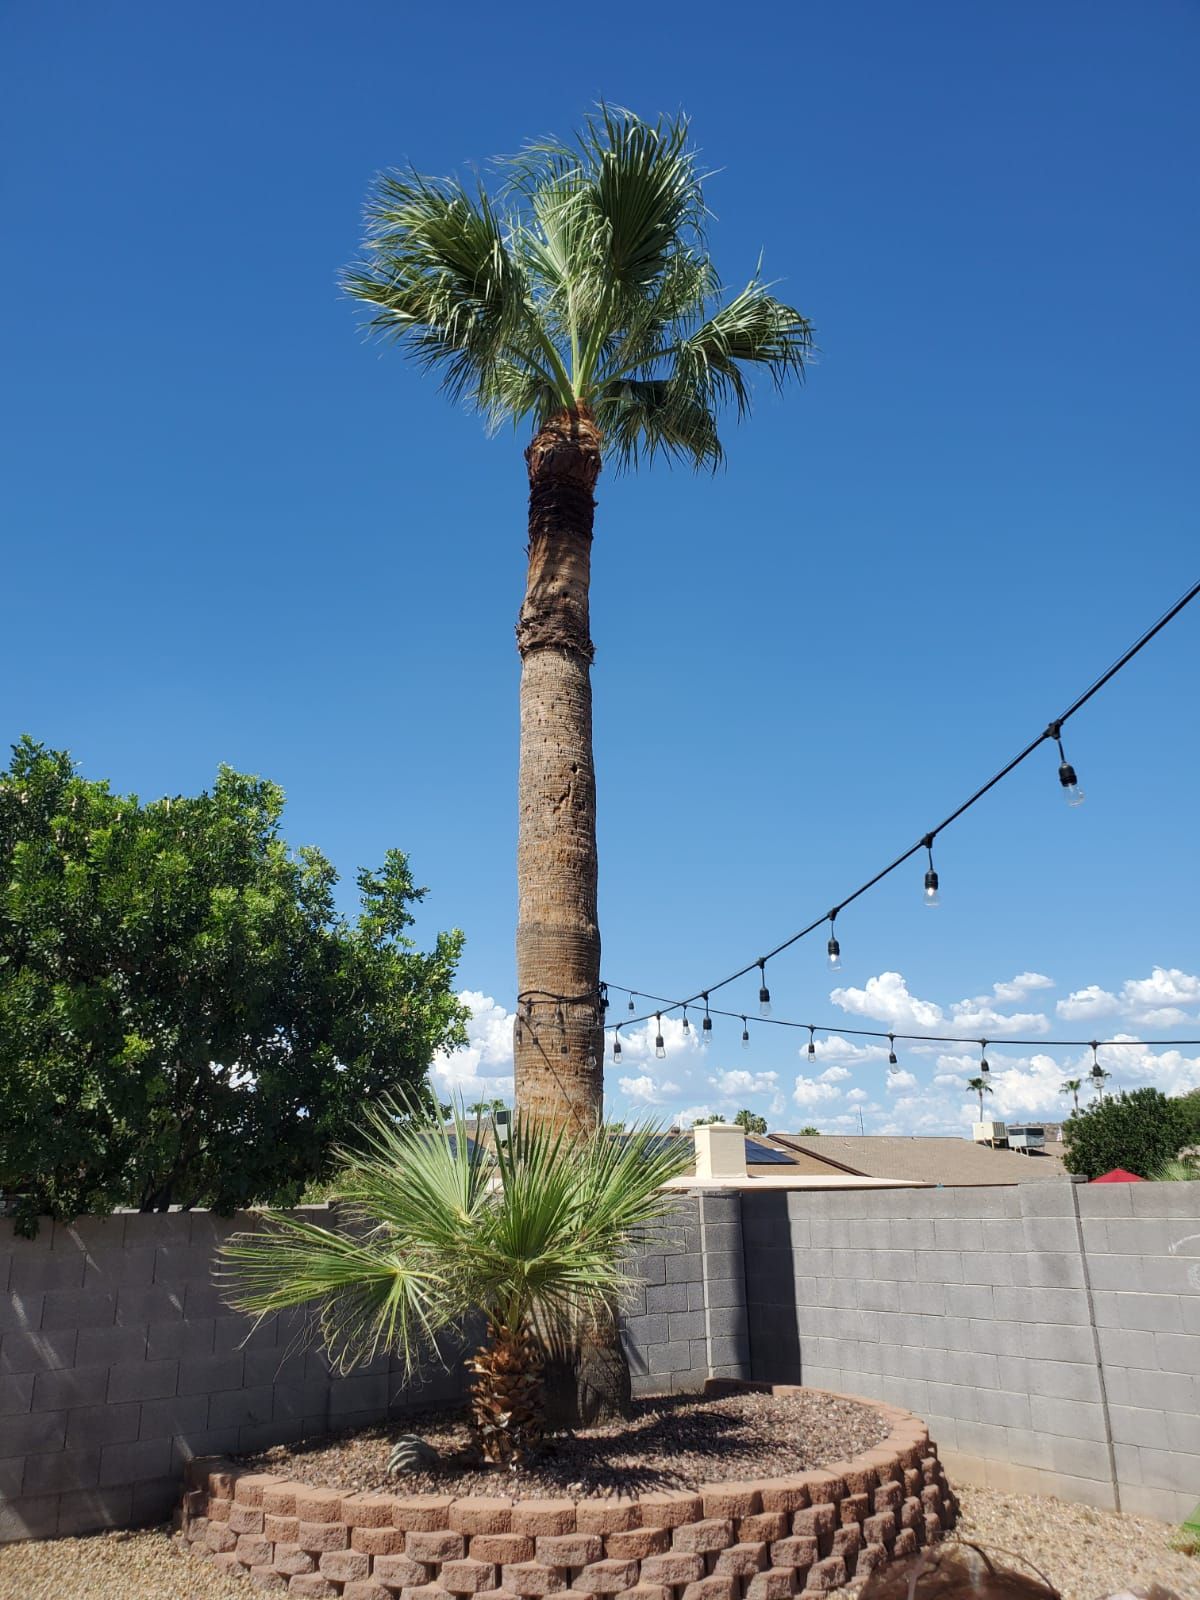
(675, 1442)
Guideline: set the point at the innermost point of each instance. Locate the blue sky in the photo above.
(235, 532)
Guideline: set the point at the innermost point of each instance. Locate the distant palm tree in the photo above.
(979, 1086)
(1072, 1087)
(751, 1121)
(539, 1241)
(581, 296)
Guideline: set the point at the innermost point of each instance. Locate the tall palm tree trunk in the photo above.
(559, 1049)
(507, 1398)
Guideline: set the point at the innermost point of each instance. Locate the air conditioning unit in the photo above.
(1026, 1138)
(993, 1133)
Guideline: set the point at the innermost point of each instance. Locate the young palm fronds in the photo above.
(435, 1231)
(585, 281)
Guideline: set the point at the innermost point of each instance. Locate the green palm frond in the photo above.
(585, 280)
(437, 1228)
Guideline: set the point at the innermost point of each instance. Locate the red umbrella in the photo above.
(1118, 1175)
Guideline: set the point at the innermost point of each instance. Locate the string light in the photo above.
(764, 994)
(812, 1050)
(1098, 1073)
(931, 877)
(687, 1027)
(616, 1046)
(983, 1060)
(706, 1025)
(745, 1035)
(1067, 777)
(892, 1062)
(660, 1049)
(1066, 772)
(833, 948)
(632, 998)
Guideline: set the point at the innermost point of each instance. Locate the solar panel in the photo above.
(762, 1155)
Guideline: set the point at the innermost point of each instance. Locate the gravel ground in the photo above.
(1085, 1553)
(674, 1443)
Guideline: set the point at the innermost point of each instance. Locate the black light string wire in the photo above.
(1052, 731)
(832, 1028)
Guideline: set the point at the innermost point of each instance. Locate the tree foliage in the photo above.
(584, 279)
(1189, 1107)
(750, 1121)
(184, 1015)
(1139, 1130)
(536, 1235)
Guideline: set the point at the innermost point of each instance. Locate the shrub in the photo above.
(1138, 1130)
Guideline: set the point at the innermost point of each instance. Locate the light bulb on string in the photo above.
(616, 1046)
(1098, 1073)
(983, 1060)
(892, 1062)
(687, 1027)
(764, 994)
(660, 1049)
(1066, 772)
(833, 947)
(745, 1035)
(603, 998)
(706, 1025)
(631, 1006)
(931, 877)
(812, 1047)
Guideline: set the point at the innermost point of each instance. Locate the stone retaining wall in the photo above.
(767, 1539)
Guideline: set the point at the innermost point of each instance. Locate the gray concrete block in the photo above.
(666, 1297)
(160, 1227)
(1065, 1306)
(64, 1387)
(36, 1352)
(1057, 1342)
(179, 1340)
(997, 1338)
(137, 1307)
(62, 1471)
(1046, 1269)
(142, 1380)
(686, 1325)
(35, 1433)
(211, 1374)
(666, 1358)
(163, 1419)
(99, 1425)
(1056, 1233)
(16, 1394)
(116, 1267)
(35, 1269)
(240, 1407)
(1081, 1458)
(727, 1264)
(129, 1463)
(78, 1308)
(1155, 1313)
(723, 1292)
(1111, 1274)
(1074, 1419)
(93, 1510)
(1103, 1200)
(957, 1233)
(21, 1313)
(1131, 1425)
(1178, 1201)
(1183, 1436)
(1176, 1352)
(28, 1517)
(1160, 1391)
(988, 1266)
(1064, 1380)
(102, 1347)
(684, 1269)
(880, 1296)
(1052, 1199)
(183, 1263)
(969, 1300)
(1120, 1347)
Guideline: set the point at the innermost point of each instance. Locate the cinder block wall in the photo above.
(119, 1363)
(1048, 1333)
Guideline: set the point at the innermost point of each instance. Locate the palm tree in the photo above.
(580, 296)
(979, 1086)
(751, 1121)
(535, 1236)
(1072, 1087)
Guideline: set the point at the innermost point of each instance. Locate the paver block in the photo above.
(218, 1538)
(826, 1575)
(281, 1530)
(322, 1536)
(467, 1576)
(608, 1516)
(318, 1505)
(797, 1550)
(705, 1536)
(711, 1588)
(343, 1566)
(784, 1494)
(442, 1545)
(776, 1583)
(291, 1560)
(730, 1499)
(765, 1525)
(313, 1585)
(501, 1548)
(610, 1577)
(742, 1560)
(532, 1578)
(279, 1498)
(570, 1549)
(253, 1550)
(635, 1544)
(421, 1513)
(537, 1517)
(676, 1567)
(480, 1514)
(377, 1541)
(399, 1572)
(245, 1519)
(366, 1589)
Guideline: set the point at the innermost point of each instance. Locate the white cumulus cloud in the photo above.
(809, 1092)
(483, 1068)
(886, 998)
(738, 1082)
(1082, 1004)
(900, 1079)
(1166, 990)
(1023, 984)
(834, 1075)
(645, 1090)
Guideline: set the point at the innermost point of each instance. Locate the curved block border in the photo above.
(765, 1539)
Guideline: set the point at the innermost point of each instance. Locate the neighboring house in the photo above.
(949, 1162)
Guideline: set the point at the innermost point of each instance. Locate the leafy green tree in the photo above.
(579, 296)
(541, 1252)
(751, 1121)
(1189, 1105)
(184, 1016)
(1139, 1130)
(809, 1132)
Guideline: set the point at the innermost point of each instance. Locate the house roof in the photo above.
(929, 1159)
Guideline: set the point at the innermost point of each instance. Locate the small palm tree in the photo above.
(1072, 1087)
(1183, 1169)
(979, 1086)
(580, 296)
(535, 1237)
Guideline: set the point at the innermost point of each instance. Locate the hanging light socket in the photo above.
(745, 1035)
(706, 1025)
(660, 1049)
(833, 948)
(764, 994)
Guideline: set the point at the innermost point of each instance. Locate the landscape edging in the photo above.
(762, 1539)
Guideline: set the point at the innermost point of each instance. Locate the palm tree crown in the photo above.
(535, 1236)
(584, 282)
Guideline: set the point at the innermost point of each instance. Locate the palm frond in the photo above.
(644, 417)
